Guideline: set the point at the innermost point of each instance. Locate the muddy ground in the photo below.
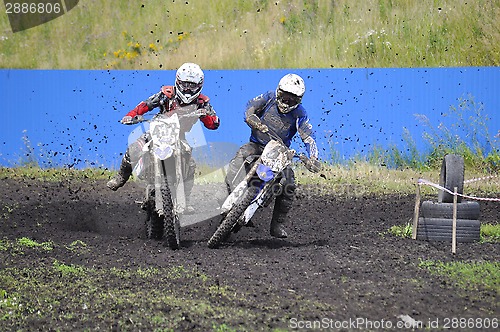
(339, 268)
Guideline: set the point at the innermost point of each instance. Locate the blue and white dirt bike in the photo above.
(263, 181)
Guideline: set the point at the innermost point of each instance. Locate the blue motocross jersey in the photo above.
(283, 125)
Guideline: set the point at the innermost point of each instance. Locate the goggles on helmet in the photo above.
(189, 87)
(288, 98)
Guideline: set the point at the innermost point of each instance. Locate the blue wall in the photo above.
(73, 116)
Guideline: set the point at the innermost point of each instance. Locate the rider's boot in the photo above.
(282, 205)
(188, 188)
(277, 229)
(221, 194)
(189, 208)
(189, 182)
(279, 218)
(122, 176)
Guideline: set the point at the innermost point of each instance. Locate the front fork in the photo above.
(160, 179)
(237, 191)
(262, 199)
(180, 194)
(158, 183)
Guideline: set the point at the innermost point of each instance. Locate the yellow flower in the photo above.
(131, 55)
(282, 19)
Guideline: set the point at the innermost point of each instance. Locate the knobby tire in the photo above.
(227, 225)
(171, 223)
(154, 223)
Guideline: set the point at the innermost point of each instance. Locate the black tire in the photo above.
(154, 223)
(438, 229)
(171, 231)
(465, 210)
(224, 230)
(451, 176)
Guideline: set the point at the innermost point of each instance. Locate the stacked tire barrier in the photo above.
(436, 218)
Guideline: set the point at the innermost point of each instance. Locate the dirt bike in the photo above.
(161, 168)
(263, 181)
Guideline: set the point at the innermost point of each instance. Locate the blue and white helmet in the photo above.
(188, 82)
(289, 92)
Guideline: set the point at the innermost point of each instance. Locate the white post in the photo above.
(416, 213)
(454, 229)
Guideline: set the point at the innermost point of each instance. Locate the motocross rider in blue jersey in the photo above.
(282, 113)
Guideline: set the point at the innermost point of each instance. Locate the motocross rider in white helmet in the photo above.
(280, 111)
(187, 90)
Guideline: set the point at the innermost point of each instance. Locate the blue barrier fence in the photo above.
(72, 117)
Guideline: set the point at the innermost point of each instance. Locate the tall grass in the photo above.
(239, 34)
(467, 134)
(463, 130)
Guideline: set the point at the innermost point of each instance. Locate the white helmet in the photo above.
(289, 93)
(188, 82)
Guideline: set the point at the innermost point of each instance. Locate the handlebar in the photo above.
(309, 163)
(135, 120)
(139, 118)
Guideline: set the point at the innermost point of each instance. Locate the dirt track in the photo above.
(339, 263)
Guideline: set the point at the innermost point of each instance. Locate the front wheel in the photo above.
(154, 223)
(228, 223)
(172, 233)
(171, 226)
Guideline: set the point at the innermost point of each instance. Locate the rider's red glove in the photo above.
(140, 109)
(210, 121)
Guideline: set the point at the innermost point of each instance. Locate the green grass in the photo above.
(77, 246)
(29, 243)
(464, 129)
(165, 299)
(21, 245)
(68, 270)
(490, 233)
(53, 174)
(354, 179)
(263, 34)
(468, 276)
(404, 231)
(363, 178)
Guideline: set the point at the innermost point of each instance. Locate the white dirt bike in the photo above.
(162, 170)
(263, 181)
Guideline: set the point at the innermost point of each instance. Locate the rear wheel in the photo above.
(231, 219)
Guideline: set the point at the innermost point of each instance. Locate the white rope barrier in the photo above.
(429, 183)
(481, 179)
(421, 182)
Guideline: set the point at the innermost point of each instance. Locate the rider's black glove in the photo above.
(254, 122)
(314, 166)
